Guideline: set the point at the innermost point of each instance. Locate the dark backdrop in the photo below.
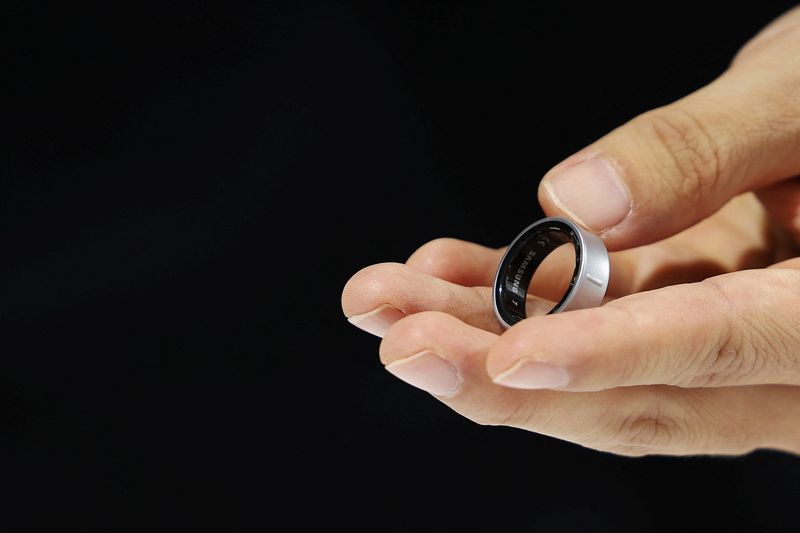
(186, 186)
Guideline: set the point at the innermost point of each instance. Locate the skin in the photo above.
(697, 350)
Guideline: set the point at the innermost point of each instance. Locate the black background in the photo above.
(187, 186)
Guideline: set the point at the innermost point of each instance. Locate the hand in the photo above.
(698, 350)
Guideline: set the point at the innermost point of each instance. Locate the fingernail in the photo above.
(591, 192)
(378, 320)
(427, 371)
(527, 374)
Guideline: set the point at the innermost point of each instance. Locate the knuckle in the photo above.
(722, 357)
(725, 364)
(644, 363)
(693, 153)
(648, 428)
(694, 426)
(748, 344)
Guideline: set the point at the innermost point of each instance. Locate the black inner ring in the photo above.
(523, 258)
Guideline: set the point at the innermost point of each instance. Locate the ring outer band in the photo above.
(590, 277)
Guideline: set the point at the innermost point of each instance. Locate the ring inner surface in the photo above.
(523, 259)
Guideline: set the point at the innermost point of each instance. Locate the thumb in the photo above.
(669, 168)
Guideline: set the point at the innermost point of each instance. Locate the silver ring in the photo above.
(527, 251)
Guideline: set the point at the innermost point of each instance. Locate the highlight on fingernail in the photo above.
(428, 371)
(377, 321)
(529, 374)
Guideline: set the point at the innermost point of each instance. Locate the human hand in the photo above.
(698, 350)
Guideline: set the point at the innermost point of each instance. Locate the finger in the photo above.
(793, 264)
(782, 200)
(736, 237)
(671, 167)
(446, 357)
(473, 265)
(781, 32)
(735, 329)
(457, 261)
(379, 295)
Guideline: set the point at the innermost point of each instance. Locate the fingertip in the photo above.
(510, 347)
(434, 257)
(462, 345)
(550, 352)
(360, 293)
(427, 330)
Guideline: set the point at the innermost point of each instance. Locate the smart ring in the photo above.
(528, 250)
